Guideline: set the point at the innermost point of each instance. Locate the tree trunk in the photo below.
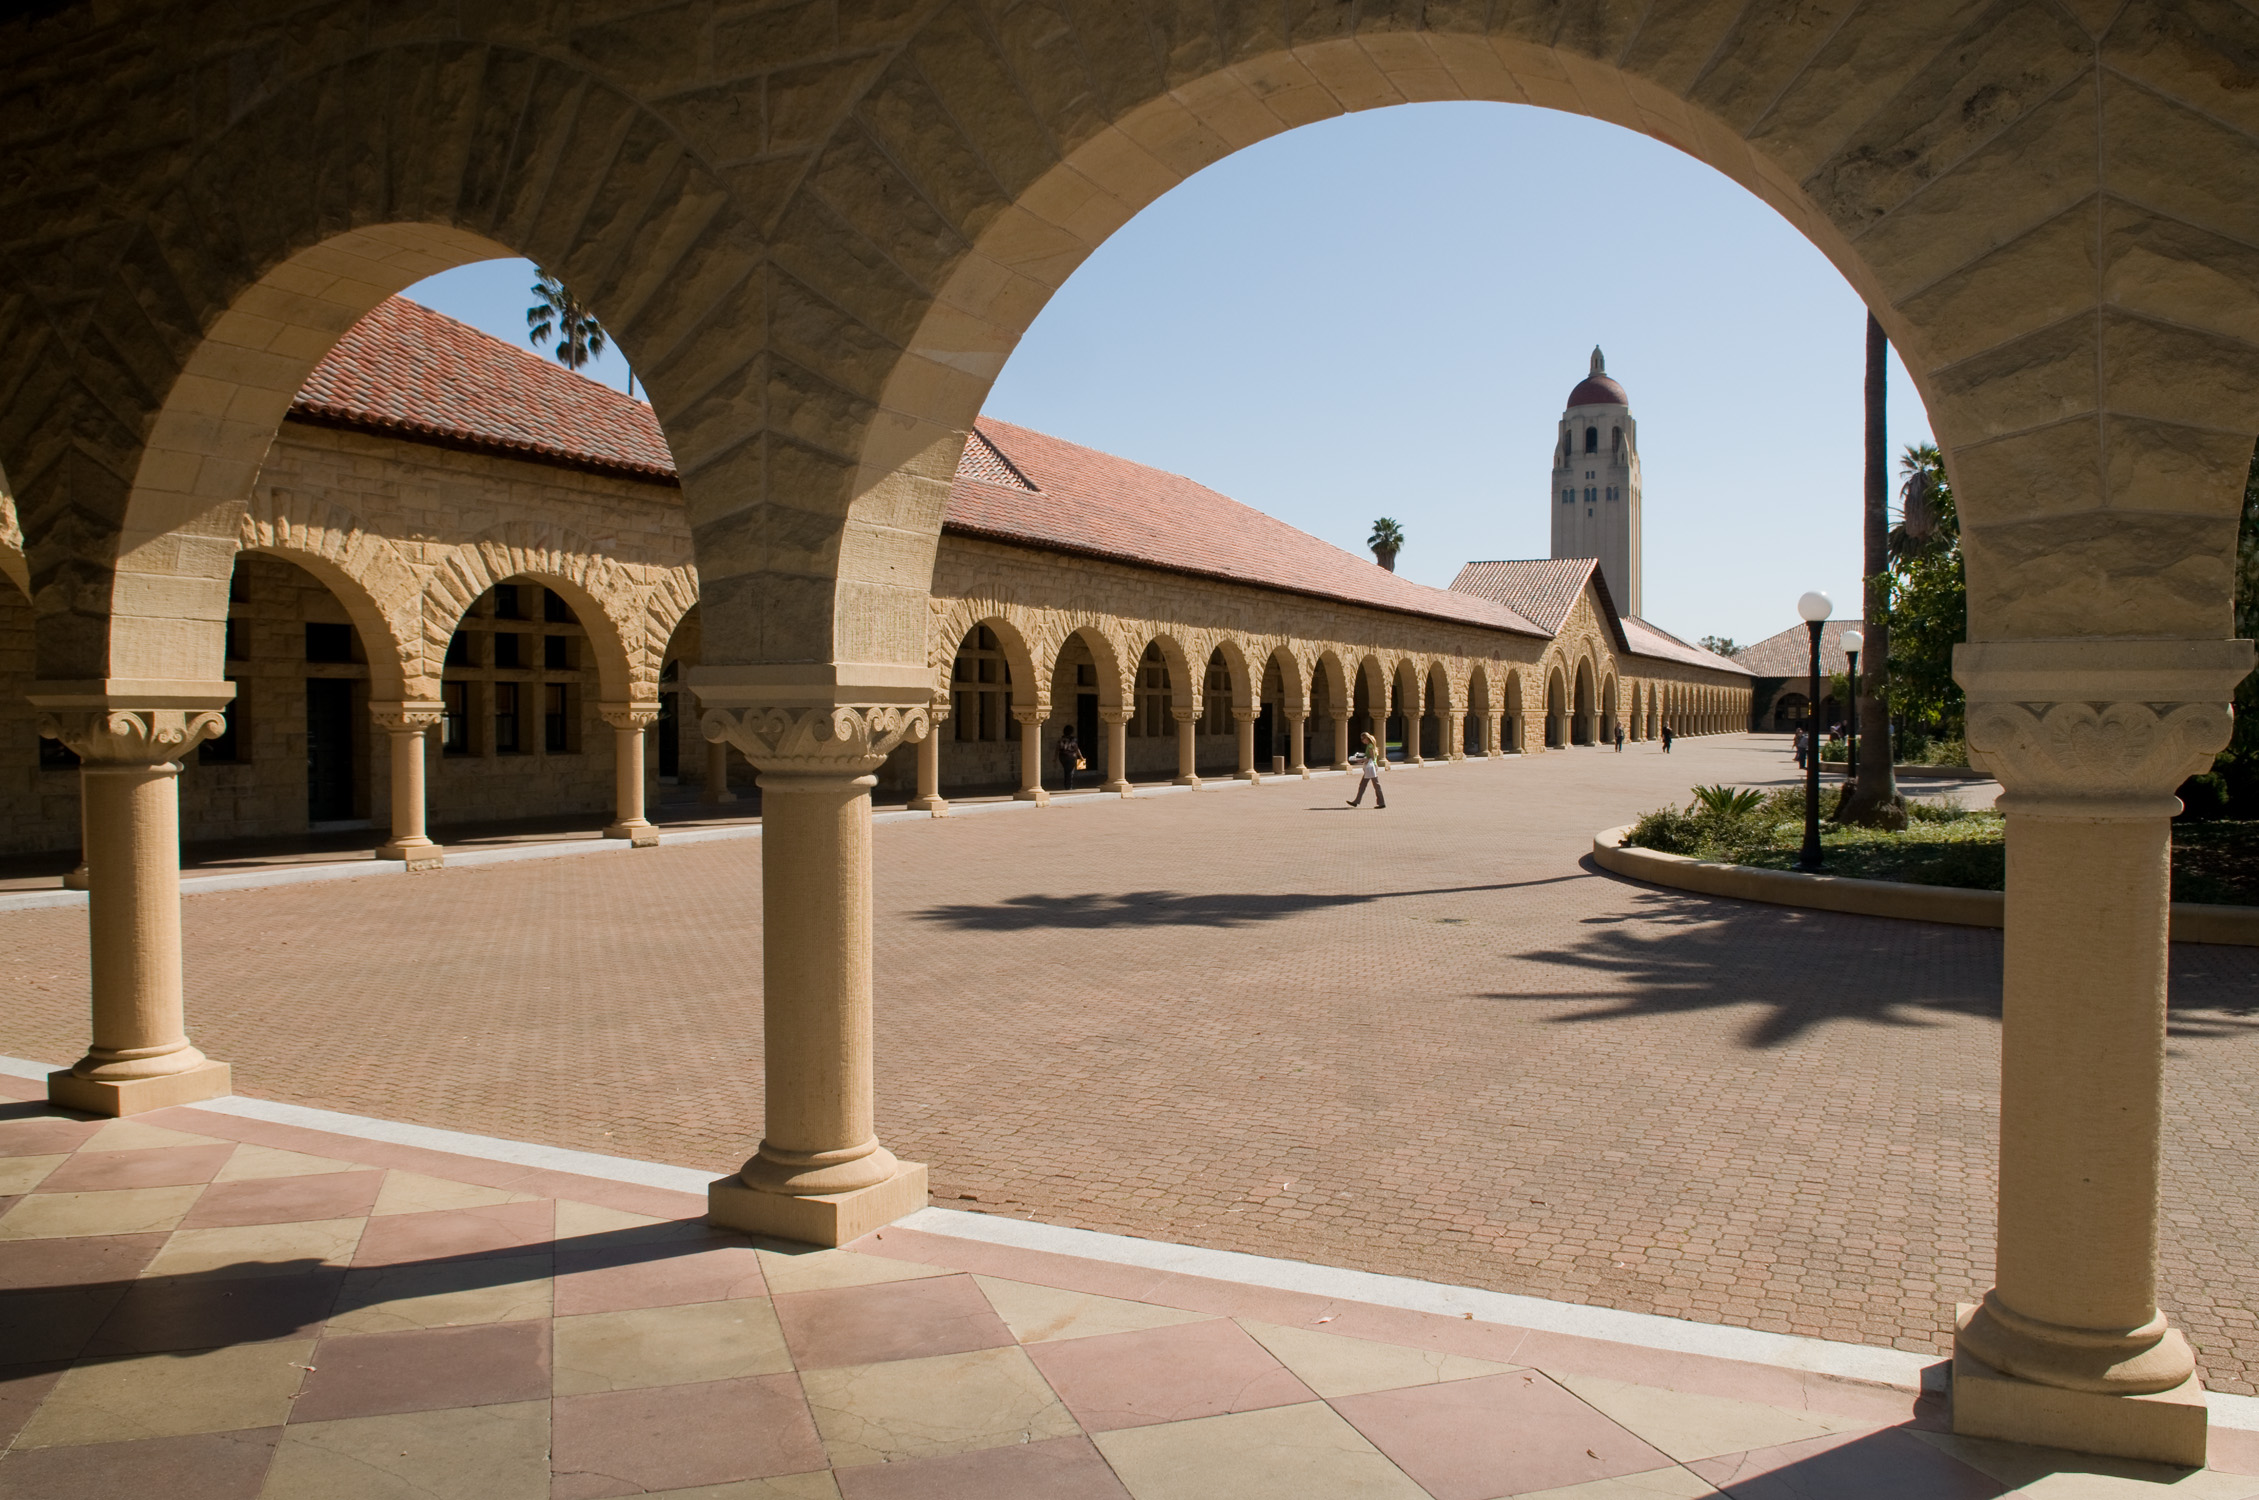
(1874, 801)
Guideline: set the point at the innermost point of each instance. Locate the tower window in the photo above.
(1592, 440)
(1588, 494)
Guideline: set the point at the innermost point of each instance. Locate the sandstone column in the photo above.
(1494, 733)
(1243, 721)
(408, 725)
(717, 774)
(820, 1174)
(1340, 740)
(1455, 736)
(2089, 739)
(1188, 721)
(1117, 750)
(929, 798)
(1296, 761)
(1031, 756)
(128, 736)
(75, 879)
(629, 721)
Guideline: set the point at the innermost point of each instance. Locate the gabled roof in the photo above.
(1541, 589)
(407, 371)
(1789, 654)
(1095, 504)
(1652, 640)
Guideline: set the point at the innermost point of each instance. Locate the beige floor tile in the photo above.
(2050, 1474)
(1655, 1484)
(251, 1162)
(1304, 1452)
(46, 1216)
(256, 1249)
(1039, 1314)
(1333, 1365)
(618, 1351)
(1690, 1427)
(575, 1219)
(20, 1174)
(132, 1135)
(168, 1395)
(820, 1270)
(411, 1193)
(923, 1408)
(817, 1486)
(468, 1453)
(387, 1299)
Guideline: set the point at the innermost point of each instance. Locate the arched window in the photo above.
(981, 684)
(1592, 440)
(1618, 442)
(1153, 718)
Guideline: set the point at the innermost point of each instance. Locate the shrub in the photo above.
(1667, 830)
(1947, 809)
(1724, 801)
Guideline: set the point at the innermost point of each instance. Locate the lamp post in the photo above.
(1815, 607)
(1852, 641)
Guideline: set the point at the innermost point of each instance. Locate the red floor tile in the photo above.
(161, 1166)
(1165, 1375)
(370, 1374)
(905, 1320)
(665, 1274)
(76, 1262)
(396, 1239)
(681, 1436)
(1061, 1469)
(285, 1200)
(1497, 1435)
(53, 1322)
(22, 1388)
(201, 1313)
(26, 1131)
(206, 1466)
(1888, 1465)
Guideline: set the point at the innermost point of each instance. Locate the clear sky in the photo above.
(1383, 314)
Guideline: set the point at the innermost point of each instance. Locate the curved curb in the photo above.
(2192, 923)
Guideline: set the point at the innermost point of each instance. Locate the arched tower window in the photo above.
(1592, 440)
(1619, 440)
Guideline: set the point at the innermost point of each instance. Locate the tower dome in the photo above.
(1598, 388)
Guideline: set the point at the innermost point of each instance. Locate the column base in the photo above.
(1118, 788)
(2167, 1427)
(938, 806)
(723, 800)
(639, 834)
(1255, 777)
(421, 855)
(76, 878)
(1035, 794)
(134, 1096)
(827, 1219)
(1190, 781)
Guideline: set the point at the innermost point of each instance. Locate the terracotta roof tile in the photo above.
(1651, 640)
(1789, 654)
(1540, 589)
(407, 370)
(1090, 502)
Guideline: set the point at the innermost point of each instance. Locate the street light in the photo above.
(1815, 607)
(1852, 641)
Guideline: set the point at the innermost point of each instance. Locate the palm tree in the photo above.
(1874, 801)
(557, 313)
(1386, 541)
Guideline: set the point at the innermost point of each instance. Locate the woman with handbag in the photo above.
(1069, 751)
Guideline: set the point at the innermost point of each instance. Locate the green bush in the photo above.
(1667, 830)
(1722, 801)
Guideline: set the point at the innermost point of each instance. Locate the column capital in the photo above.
(128, 722)
(629, 715)
(400, 715)
(841, 739)
(1031, 716)
(2098, 729)
(1296, 718)
(1185, 715)
(1116, 715)
(1246, 715)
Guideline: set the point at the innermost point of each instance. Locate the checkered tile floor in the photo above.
(197, 1306)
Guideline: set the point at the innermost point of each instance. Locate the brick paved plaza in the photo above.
(1432, 1041)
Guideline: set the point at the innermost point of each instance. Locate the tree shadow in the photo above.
(1111, 909)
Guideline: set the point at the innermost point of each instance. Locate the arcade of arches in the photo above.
(818, 241)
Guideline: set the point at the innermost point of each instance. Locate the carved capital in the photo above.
(114, 723)
(844, 740)
(403, 716)
(2098, 729)
(629, 715)
(1185, 715)
(1030, 716)
(1117, 715)
(1246, 715)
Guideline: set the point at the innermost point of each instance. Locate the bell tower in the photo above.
(1596, 482)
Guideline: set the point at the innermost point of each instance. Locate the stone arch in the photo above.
(1246, 674)
(1583, 702)
(610, 602)
(380, 591)
(1556, 707)
(1185, 678)
(1611, 712)
(1294, 677)
(1113, 663)
(12, 561)
(1028, 652)
(1513, 729)
(1329, 668)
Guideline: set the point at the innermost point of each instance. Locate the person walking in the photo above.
(1369, 761)
(1667, 737)
(1800, 747)
(1619, 739)
(1069, 751)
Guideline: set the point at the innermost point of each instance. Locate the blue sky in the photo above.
(1382, 315)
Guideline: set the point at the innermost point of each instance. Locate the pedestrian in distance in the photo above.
(1799, 749)
(1619, 739)
(1368, 762)
(1668, 736)
(1069, 751)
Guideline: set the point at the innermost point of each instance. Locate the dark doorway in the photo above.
(329, 749)
(670, 736)
(1086, 727)
(1267, 743)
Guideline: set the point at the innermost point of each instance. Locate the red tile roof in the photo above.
(1540, 589)
(1789, 654)
(411, 372)
(1650, 640)
(1089, 502)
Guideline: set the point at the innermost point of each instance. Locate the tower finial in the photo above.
(1599, 361)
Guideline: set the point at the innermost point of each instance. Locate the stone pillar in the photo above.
(1414, 724)
(1340, 740)
(929, 798)
(1494, 733)
(2088, 739)
(717, 773)
(1243, 722)
(629, 721)
(128, 736)
(820, 1174)
(1188, 721)
(1296, 755)
(76, 878)
(408, 724)
(1117, 750)
(1031, 756)
(1455, 736)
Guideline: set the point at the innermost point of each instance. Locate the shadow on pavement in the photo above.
(1177, 908)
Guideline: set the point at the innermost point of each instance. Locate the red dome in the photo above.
(1598, 390)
